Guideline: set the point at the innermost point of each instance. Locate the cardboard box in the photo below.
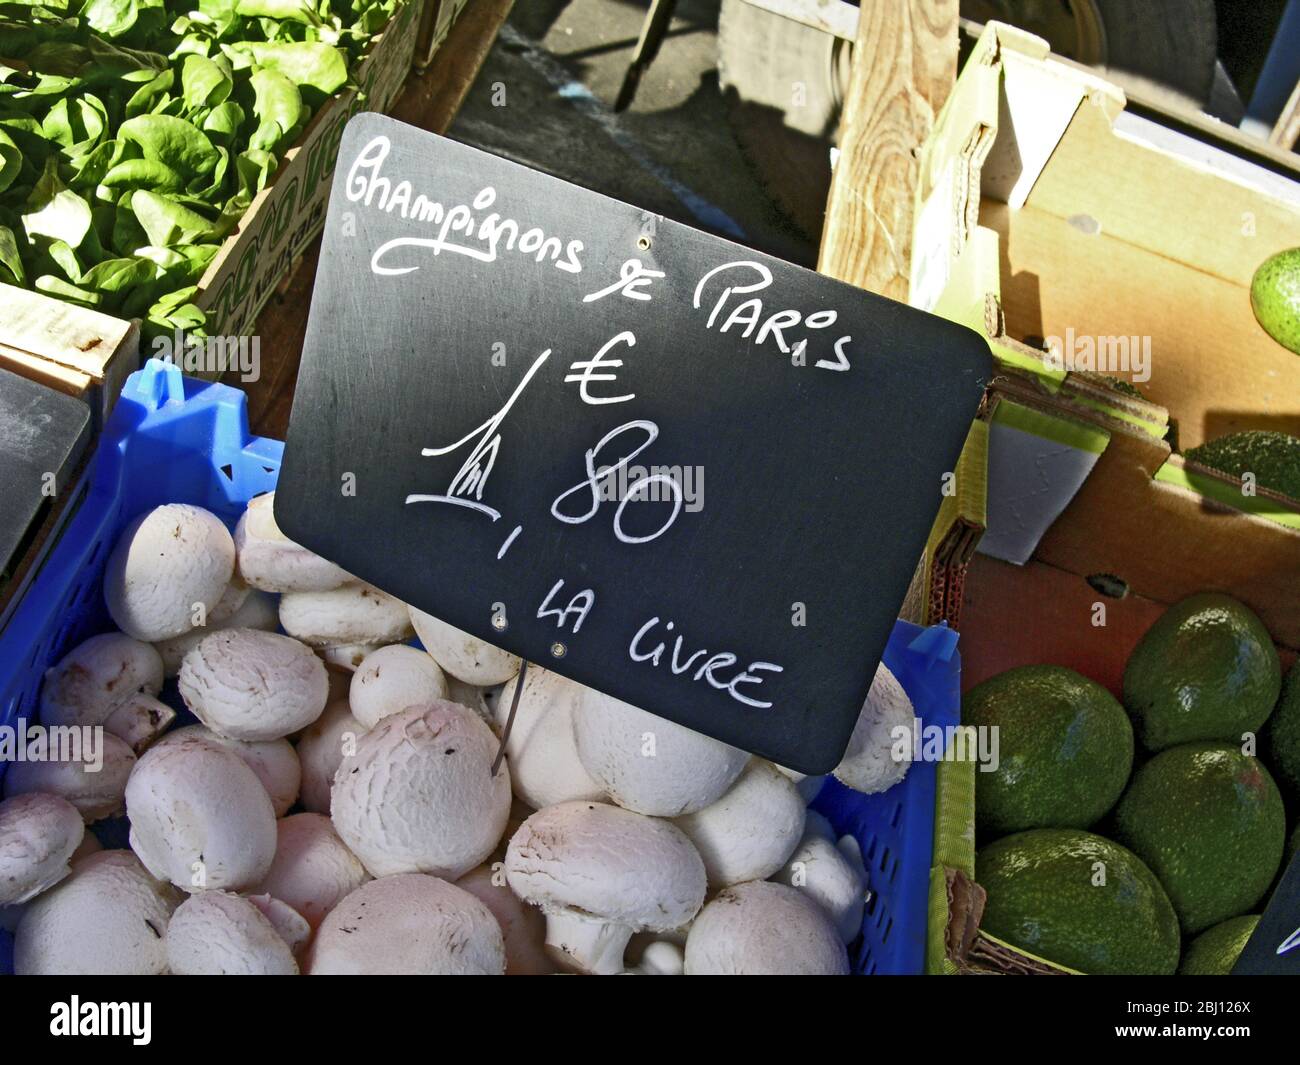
(1048, 209)
(286, 216)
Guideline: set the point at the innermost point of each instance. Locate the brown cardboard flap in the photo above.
(1167, 543)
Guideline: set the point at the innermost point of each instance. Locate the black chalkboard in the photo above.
(43, 435)
(485, 340)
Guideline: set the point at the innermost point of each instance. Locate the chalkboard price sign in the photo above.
(674, 469)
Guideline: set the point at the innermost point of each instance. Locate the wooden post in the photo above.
(1286, 133)
(904, 67)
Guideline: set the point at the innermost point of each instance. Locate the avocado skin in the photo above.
(1282, 735)
(1065, 749)
(1275, 297)
(1206, 670)
(1209, 822)
(1216, 950)
(1274, 458)
(1042, 898)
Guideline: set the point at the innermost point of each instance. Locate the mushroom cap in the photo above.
(763, 929)
(823, 872)
(391, 679)
(868, 764)
(167, 562)
(750, 831)
(258, 611)
(269, 560)
(418, 796)
(544, 764)
(472, 697)
(275, 762)
(245, 684)
(39, 833)
(98, 676)
(200, 818)
(215, 933)
(609, 863)
(353, 614)
(465, 657)
(523, 928)
(108, 918)
(650, 764)
(321, 748)
(313, 869)
(409, 924)
(96, 793)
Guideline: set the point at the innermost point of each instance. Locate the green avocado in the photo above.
(1274, 458)
(1078, 900)
(1065, 749)
(1209, 822)
(1216, 950)
(1282, 734)
(1206, 670)
(1275, 297)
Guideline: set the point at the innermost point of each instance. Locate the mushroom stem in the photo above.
(139, 721)
(590, 944)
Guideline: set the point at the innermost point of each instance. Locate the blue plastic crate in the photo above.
(173, 439)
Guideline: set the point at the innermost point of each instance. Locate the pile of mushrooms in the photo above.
(327, 802)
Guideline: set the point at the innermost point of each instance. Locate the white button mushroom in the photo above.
(257, 611)
(275, 762)
(764, 929)
(474, 698)
(832, 876)
(751, 830)
(108, 918)
(108, 680)
(215, 933)
(271, 561)
(171, 565)
(600, 873)
(347, 657)
(313, 869)
(95, 784)
(869, 764)
(39, 834)
(353, 614)
(650, 764)
(523, 927)
(461, 655)
(391, 679)
(419, 795)
(660, 957)
(320, 750)
(809, 787)
(200, 818)
(250, 685)
(289, 924)
(544, 764)
(408, 925)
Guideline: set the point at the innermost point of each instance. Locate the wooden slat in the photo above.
(904, 67)
(1286, 132)
(430, 101)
